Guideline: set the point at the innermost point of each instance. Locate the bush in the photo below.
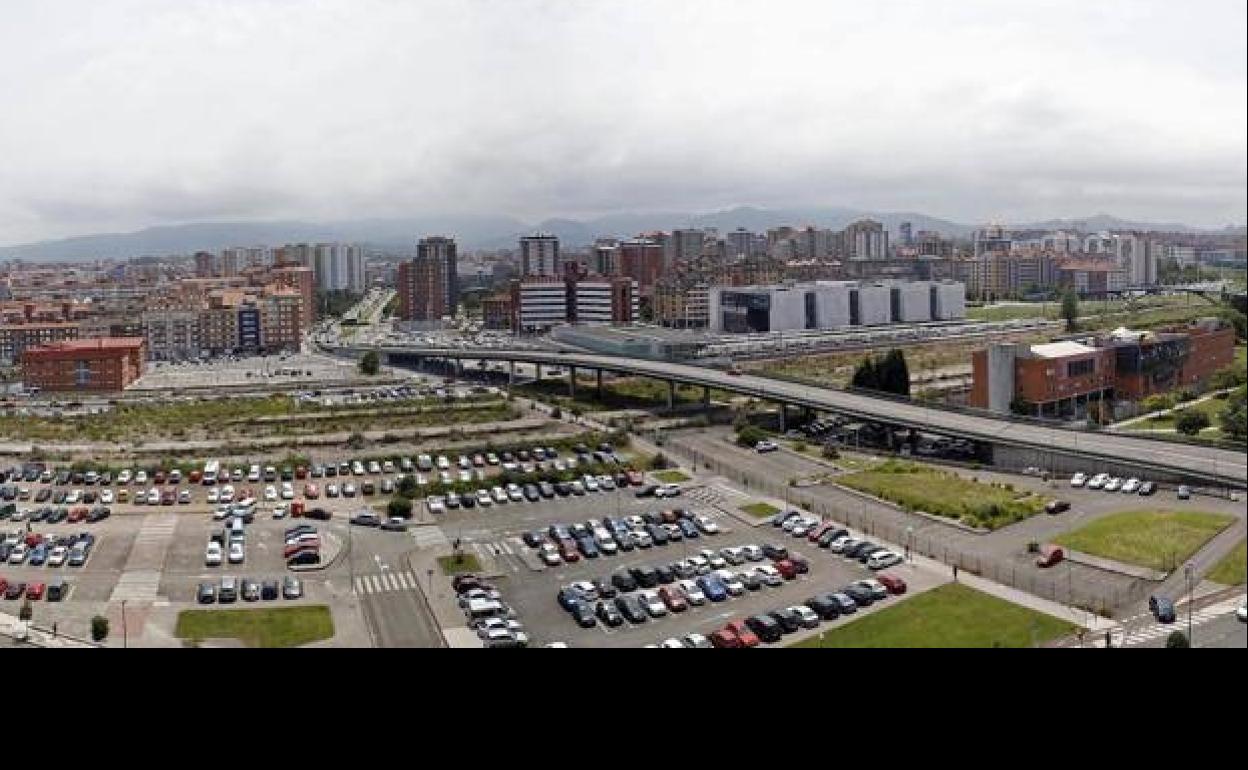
(99, 628)
(830, 452)
(1191, 422)
(1177, 639)
(1185, 396)
(1156, 403)
(400, 507)
(660, 462)
(370, 364)
(750, 435)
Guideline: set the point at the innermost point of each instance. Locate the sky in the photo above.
(121, 114)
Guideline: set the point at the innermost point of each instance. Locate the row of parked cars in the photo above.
(39, 550)
(532, 492)
(1108, 483)
(609, 535)
(494, 621)
(772, 626)
(55, 515)
(644, 591)
(830, 535)
(230, 589)
(53, 590)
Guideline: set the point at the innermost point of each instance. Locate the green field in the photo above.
(1156, 539)
(1230, 571)
(1212, 407)
(466, 563)
(278, 627)
(920, 488)
(671, 476)
(760, 509)
(949, 616)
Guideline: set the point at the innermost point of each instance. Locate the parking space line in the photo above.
(402, 578)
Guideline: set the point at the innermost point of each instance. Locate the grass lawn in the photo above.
(1211, 407)
(671, 476)
(277, 627)
(467, 563)
(1230, 571)
(919, 488)
(1157, 539)
(949, 616)
(760, 509)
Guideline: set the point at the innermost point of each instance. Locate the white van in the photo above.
(484, 608)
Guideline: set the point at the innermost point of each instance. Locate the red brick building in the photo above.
(106, 364)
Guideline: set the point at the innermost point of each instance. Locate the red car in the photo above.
(894, 584)
(725, 639)
(292, 550)
(195, 477)
(673, 599)
(311, 491)
(168, 497)
(568, 550)
(301, 473)
(78, 514)
(635, 478)
(34, 591)
(4, 584)
(748, 638)
(818, 531)
(158, 477)
(33, 539)
(787, 569)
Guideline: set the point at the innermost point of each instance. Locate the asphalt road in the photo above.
(1195, 461)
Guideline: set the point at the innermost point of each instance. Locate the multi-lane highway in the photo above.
(1207, 464)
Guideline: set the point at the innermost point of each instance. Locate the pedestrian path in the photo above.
(429, 537)
(140, 579)
(385, 582)
(1150, 630)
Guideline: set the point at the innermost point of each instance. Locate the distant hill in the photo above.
(493, 232)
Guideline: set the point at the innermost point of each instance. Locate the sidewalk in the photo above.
(1163, 412)
(11, 626)
(440, 599)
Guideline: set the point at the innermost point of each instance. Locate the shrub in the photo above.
(1185, 396)
(1191, 422)
(99, 628)
(1177, 639)
(750, 435)
(400, 507)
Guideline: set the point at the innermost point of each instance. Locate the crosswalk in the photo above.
(140, 580)
(705, 495)
(429, 537)
(1150, 631)
(385, 582)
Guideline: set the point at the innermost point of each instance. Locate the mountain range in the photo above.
(494, 232)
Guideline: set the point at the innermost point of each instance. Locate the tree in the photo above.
(1177, 639)
(750, 435)
(1234, 419)
(27, 611)
(407, 486)
(659, 462)
(1191, 422)
(1070, 309)
(400, 507)
(1227, 377)
(896, 377)
(866, 376)
(370, 364)
(99, 628)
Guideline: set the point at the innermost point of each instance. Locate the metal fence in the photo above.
(1056, 584)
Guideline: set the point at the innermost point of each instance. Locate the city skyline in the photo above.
(143, 113)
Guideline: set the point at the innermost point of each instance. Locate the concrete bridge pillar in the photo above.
(706, 396)
(599, 383)
(572, 381)
(511, 375)
(671, 394)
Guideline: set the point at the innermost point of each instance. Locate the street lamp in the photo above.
(125, 638)
(909, 543)
(1187, 573)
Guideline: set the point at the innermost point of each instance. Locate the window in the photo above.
(1080, 368)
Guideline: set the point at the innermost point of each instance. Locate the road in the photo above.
(389, 591)
(1213, 465)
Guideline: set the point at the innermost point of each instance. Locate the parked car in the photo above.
(1057, 506)
(1162, 609)
(1049, 556)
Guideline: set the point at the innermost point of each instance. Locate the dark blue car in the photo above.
(689, 529)
(713, 588)
(587, 546)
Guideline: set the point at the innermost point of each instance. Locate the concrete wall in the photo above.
(911, 302)
(948, 301)
(788, 309)
(874, 305)
(832, 306)
(1000, 367)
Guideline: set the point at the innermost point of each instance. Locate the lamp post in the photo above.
(1187, 574)
(125, 637)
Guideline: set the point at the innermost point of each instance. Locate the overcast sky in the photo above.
(120, 114)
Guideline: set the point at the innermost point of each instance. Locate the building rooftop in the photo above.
(1061, 349)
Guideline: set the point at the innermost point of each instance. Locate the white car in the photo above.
(672, 643)
(841, 543)
(483, 498)
(270, 494)
(769, 575)
(591, 483)
(140, 477)
(236, 553)
(280, 511)
(18, 554)
(288, 491)
(153, 496)
(499, 495)
(212, 555)
(706, 524)
(184, 497)
(1079, 479)
(805, 615)
(253, 474)
(714, 559)
(731, 582)
(443, 463)
(1131, 486)
(693, 594)
(465, 476)
(125, 476)
(74, 497)
(883, 559)
(550, 555)
(635, 522)
(641, 538)
(700, 565)
(56, 558)
(1098, 481)
(214, 495)
(227, 494)
(514, 493)
(753, 552)
(667, 490)
(1113, 485)
(106, 497)
(803, 527)
(1242, 612)
(651, 603)
(436, 504)
(765, 446)
(221, 512)
(374, 467)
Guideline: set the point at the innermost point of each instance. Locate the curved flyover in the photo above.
(1207, 464)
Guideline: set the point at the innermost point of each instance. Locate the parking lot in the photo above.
(250, 370)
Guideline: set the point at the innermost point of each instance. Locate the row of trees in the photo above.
(888, 374)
